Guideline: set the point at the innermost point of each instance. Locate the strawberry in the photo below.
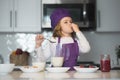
(91, 66)
(81, 66)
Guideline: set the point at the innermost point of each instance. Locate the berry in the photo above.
(81, 66)
(91, 66)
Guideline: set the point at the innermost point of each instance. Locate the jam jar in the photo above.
(105, 65)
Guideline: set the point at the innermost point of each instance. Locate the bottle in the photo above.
(105, 65)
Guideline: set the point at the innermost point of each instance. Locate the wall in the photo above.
(101, 43)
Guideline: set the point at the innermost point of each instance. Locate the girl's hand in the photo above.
(38, 40)
(75, 27)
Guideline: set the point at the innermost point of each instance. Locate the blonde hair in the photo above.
(57, 32)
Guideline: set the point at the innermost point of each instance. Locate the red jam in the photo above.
(105, 64)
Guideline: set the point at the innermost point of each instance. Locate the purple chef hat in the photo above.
(57, 15)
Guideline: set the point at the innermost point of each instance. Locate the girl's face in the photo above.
(66, 26)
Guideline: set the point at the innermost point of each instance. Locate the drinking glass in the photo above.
(57, 61)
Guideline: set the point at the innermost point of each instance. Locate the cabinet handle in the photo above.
(15, 18)
(99, 18)
(10, 18)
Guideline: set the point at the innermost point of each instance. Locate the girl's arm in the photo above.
(47, 49)
(83, 44)
(43, 51)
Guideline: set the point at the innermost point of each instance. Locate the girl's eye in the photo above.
(66, 22)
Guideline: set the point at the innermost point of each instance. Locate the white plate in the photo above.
(78, 69)
(30, 69)
(57, 69)
(17, 67)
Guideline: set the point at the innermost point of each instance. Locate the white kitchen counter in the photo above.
(71, 75)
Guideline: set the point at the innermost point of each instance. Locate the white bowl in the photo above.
(40, 65)
(57, 69)
(78, 69)
(6, 68)
(30, 69)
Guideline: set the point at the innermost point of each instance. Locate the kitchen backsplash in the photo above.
(26, 42)
(101, 43)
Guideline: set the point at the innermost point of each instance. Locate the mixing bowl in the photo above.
(6, 68)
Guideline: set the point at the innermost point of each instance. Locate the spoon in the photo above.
(49, 40)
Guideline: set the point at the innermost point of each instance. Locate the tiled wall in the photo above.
(101, 43)
(10, 42)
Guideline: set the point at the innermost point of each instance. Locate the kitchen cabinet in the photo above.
(108, 15)
(20, 16)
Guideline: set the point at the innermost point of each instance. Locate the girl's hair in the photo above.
(57, 32)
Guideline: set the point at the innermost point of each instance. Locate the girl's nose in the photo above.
(70, 23)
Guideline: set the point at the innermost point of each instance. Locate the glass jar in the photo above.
(105, 65)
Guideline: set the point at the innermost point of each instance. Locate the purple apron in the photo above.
(70, 53)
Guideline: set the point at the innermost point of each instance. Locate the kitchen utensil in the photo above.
(49, 40)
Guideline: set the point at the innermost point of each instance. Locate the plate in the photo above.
(17, 67)
(30, 69)
(78, 69)
(57, 69)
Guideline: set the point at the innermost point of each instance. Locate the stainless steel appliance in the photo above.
(82, 12)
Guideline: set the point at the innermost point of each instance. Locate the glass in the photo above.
(57, 61)
(105, 65)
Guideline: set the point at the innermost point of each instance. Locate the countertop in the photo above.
(70, 75)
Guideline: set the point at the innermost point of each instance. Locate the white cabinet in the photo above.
(108, 15)
(6, 15)
(20, 16)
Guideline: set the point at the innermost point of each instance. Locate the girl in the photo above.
(66, 35)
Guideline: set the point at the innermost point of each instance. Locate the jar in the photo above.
(105, 65)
